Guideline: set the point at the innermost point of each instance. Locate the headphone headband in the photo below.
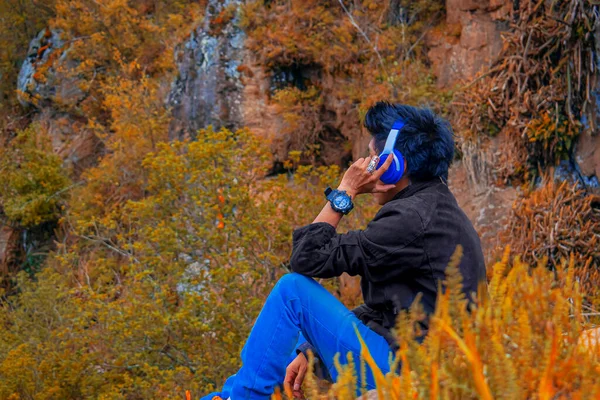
(391, 139)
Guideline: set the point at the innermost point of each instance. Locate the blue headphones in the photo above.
(396, 169)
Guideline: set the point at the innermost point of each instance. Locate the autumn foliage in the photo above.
(525, 340)
(555, 222)
(537, 97)
(161, 253)
(32, 179)
(348, 55)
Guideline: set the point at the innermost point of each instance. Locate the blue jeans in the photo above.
(297, 309)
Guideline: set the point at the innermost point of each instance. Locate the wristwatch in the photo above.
(340, 200)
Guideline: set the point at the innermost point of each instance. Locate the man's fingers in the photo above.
(382, 188)
(366, 162)
(359, 162)
(290, 376)
(299, 378)
(384, 167)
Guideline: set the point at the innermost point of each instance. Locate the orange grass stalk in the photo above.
(277, 394)
(435, 385)
(546, 390)
(406, 379)
(380, 381)
(468, 348)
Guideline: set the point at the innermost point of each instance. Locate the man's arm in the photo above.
(382, 251)
(355, 181)
(306, 240)
(330, 216)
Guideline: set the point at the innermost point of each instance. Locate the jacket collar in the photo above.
(415, 187)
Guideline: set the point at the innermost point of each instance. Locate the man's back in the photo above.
(433, 224)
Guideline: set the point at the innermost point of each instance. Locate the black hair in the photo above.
(426, 141)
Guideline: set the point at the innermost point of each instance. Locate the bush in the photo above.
(553, 223)
(158, 297)
(33, 181)
(522, 341)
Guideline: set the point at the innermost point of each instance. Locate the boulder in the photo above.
(370, 395)
(44, 79)
(587, 154)
(587, 150)
(589, 340)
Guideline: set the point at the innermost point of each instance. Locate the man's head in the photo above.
(426, 141)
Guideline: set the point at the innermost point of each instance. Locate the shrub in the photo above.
(554, 222)
(522, 341)
(33, 181)
(536, 95)
(158, 297)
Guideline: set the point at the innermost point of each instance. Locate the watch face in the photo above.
(341, 201)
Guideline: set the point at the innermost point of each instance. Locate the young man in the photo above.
(402, 252)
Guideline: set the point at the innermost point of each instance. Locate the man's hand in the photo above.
(357, 180)
(294, 375)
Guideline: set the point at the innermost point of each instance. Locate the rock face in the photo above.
(221, 83)
(45, 83)
(469, 41)
(9, 239)
(72, 140)
(588, 154)
(488, 209)
(208, 89)
(42, 81)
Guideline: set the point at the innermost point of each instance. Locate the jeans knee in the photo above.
(292, 281)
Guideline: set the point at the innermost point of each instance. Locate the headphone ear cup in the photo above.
(396, 169)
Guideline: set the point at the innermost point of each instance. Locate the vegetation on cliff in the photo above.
(163, 252)
(537, 97)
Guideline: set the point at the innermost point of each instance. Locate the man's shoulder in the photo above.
(404, 209)
(420, 206)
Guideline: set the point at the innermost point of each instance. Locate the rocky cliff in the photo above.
(220, 82)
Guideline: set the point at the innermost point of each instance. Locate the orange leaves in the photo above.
(554, 222)
(328, 73)
(467, 346)
(523, 343)
(546, 390)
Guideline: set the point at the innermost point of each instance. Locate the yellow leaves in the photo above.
(156, 286)
(524, 343)
(467, 346)
(33, 182)
(380, 380)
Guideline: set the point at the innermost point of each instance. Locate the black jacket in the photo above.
(404, 250)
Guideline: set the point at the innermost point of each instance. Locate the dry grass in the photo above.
(542, 82)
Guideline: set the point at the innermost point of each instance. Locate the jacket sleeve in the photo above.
(382, 250)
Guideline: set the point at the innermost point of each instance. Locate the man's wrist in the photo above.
(348, 191)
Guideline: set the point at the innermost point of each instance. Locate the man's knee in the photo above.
(292, 281)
